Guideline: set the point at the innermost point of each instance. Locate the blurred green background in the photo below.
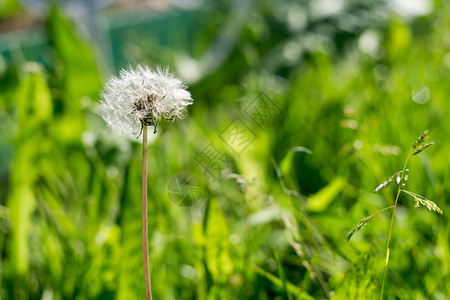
(301, 109)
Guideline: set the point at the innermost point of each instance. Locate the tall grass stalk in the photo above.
(400, 179)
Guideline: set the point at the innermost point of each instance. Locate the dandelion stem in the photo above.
(391, 224)
(148, 287)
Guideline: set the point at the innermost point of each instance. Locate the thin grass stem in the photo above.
(148, 287)
(391, 224)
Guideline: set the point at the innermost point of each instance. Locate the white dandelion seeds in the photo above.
(141, 97)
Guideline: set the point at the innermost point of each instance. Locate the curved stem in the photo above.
(392, 223)
(148, 287)
(381, 210)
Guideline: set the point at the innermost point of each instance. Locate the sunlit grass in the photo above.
(272, 224)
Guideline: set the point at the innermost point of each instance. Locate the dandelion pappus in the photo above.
(144, 96)
(145, 108)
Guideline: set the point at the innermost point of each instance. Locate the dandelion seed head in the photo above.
(142, 95)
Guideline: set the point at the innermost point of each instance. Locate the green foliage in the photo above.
(272, 224)
(129, 262)
(216, 233)
(9, 7)
(360, 279)
(282, 284)
(74, 58)
(34, 114)
(323, 198)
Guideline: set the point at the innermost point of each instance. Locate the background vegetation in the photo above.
(271, 220)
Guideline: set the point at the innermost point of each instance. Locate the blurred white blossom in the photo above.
(140, 97)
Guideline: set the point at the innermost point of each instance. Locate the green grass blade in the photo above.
(359, 280)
